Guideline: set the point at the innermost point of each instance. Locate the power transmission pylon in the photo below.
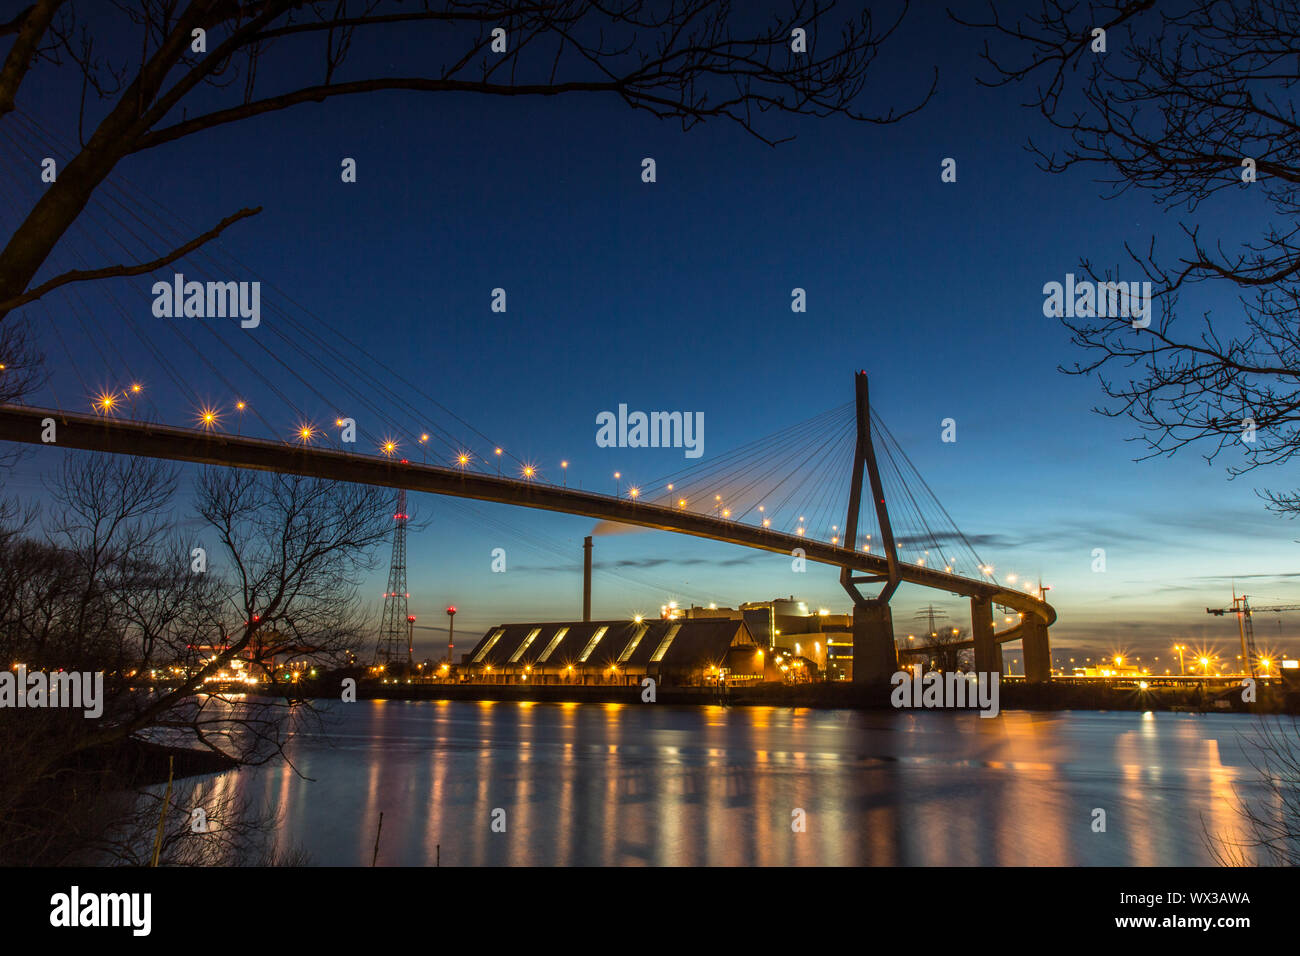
(933, 615)
(394, 627)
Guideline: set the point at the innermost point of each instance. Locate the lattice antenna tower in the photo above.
(393, 629)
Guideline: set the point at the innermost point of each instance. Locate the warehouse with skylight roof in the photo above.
(674, 653)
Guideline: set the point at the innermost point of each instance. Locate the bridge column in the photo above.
(874, 657)
(988, 652)
(1037, 650)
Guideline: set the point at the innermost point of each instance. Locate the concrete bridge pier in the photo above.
(875, 659)
(1037, 650)
(988, 652)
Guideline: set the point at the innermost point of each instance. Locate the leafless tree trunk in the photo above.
(683, 60)
(112, 589)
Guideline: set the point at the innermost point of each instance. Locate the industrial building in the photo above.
(788, 627)
(673, 652)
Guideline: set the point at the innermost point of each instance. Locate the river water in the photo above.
(614, 784)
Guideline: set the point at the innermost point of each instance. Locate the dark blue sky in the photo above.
(676, 295)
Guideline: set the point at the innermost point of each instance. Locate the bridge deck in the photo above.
(95, 433)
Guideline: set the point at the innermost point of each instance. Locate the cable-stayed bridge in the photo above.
(284, 393)
(874, 652)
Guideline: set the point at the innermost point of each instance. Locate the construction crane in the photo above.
(1241, 607)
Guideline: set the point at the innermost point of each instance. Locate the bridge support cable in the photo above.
(909, 488)
(552, 549)
(19, 423)
(350, 367)
(791, 482)
(1030, 629)
(772, 481)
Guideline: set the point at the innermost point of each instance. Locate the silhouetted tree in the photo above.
(1270, 815)
(147, 80)
(111, 589)
(1189, 100)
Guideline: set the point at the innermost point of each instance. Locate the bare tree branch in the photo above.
(30, 25)
(87, 275)
(1189, 102)
(685, 60)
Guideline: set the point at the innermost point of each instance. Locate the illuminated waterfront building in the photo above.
(673, 652)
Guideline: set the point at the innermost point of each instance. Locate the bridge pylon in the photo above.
(875, 657)
(988, 652)
(1036, 649)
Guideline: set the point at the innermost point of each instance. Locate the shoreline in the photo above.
(1050, 696)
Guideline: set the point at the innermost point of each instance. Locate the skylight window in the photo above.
(555, 642)
(631, 645)
(491, 643)
(532, 636)
(662, 649)
(591, 644)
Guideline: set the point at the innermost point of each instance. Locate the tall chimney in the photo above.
(586, 579)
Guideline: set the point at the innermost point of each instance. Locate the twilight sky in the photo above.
(675, 295)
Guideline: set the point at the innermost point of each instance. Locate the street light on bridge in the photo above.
(105, 402)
